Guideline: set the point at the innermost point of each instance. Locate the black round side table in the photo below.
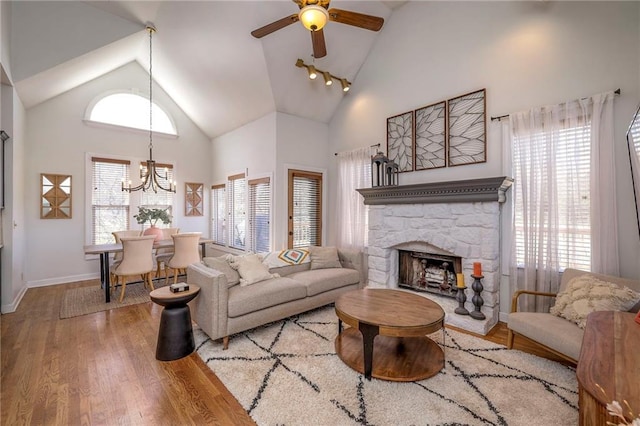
(175, 335)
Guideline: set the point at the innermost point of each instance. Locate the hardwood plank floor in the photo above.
(101, 369)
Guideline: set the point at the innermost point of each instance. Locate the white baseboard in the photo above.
(7, 309)
(62, 280)
(504, 317)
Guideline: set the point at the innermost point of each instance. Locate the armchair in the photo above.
(556, 334)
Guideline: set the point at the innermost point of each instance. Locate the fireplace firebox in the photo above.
(427, 272)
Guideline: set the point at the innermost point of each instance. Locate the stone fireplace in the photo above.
(457, 220)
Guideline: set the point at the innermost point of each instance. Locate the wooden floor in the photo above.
(101, 369)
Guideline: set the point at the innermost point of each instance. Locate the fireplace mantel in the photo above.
(459, 191)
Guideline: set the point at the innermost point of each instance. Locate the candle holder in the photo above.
(461, 297)
(477, 298)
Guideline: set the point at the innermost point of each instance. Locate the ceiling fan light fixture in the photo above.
(312, 72)
(313, 17)
(345, 84)
(328, 81)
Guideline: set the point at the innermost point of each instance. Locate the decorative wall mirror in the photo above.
(193, 199)
(633, 142)
(55, 196)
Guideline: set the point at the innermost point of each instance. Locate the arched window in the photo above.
(129, 109)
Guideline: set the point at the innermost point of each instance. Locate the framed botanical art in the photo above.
(55, 196)
(400, 140)
(193, 199)
(430, 126)
(467, 129)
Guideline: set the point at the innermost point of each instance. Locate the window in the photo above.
(237, 193)
(259, 215)
(130, 110)
(305, 209)
(109, 204)
(218, 228)
(571, 175)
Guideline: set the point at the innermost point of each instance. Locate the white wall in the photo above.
(58, 141)
(302, 144)
(251, 147)
(525, 54)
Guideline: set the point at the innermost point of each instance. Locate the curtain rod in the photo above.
(370, 146)
(500, 117)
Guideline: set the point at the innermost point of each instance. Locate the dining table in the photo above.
(104, 251)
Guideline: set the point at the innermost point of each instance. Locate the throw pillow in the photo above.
(324, 257)
(251, 269)
(278, 259)
(585, 294)
(221, 264)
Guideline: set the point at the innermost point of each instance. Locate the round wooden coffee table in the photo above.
(392, 324)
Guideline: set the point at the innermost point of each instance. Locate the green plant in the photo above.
(152, 216)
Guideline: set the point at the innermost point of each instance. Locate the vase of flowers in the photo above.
(153, 216)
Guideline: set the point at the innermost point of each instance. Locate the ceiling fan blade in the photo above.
(274, 26)
(360, 20)
(319, 46)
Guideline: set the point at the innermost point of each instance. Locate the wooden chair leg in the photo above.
(124, 286)
(510, 339)
(225, 343)
(176, 272)
(150, 281)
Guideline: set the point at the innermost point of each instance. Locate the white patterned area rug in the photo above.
(287, 373)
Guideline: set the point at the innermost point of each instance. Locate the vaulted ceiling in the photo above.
(203, 54)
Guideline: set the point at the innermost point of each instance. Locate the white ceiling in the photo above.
(203, 54)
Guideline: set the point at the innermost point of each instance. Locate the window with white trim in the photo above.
(109, 204)
(259, 239)
(572, 173)
(237, 210)
(112, 209)
(218, 216)
(129, 109)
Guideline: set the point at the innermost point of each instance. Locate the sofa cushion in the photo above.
(247, 299)
(585, 294)
(319, 281)
(552, 331)
(324, 257)
(250, 268)
(221, 264)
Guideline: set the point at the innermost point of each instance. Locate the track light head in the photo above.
(345, 84)
(328, 81)
(312, 72)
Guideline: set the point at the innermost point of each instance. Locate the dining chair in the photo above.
(164, 254)
(137, 259)
(117, 257)
(186, 252)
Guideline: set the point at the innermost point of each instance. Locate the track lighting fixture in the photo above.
(328, 77)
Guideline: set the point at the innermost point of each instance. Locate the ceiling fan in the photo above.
(314, 14)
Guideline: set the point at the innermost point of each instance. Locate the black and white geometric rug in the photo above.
(287, 373)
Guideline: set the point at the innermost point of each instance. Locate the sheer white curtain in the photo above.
(354, 172)
(564, 193)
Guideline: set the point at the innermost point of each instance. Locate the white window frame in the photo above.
(285, 188)
(143, 94)
(135, 197)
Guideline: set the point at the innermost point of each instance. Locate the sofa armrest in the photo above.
(213, 301)
(352, 259)
(514, 300)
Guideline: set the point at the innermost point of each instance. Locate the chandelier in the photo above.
(150, 175)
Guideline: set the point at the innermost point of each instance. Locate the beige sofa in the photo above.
(222, 310)
(554, 333)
